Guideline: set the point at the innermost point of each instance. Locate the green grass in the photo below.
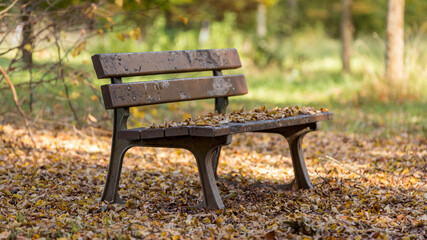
(303, 69)
(340, 94)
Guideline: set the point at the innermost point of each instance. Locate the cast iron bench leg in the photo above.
(111, 188)
(298, 163)
(118, 150)
(204, 157)
(294, 136)
(215, 161)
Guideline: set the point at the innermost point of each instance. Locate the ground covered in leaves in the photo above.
(365, 187)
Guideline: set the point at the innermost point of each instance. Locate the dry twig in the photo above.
(21, 112)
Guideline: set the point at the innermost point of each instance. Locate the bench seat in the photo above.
(137, 134)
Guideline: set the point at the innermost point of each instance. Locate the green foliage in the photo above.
(296, 63)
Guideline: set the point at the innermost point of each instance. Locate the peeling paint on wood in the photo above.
(148, 63)
(220, 86)
(174, 90)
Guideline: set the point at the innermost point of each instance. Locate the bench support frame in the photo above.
(203, 149)
(206, 151)
(294, 136)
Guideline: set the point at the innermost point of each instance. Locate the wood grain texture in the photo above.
(175, 90)
(140, 133)
(255, 126)
(149, 63)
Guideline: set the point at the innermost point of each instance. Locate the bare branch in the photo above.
(15, 99)
(8, 8)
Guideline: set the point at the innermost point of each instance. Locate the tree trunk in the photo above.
(293, 14)
(27, 45)
(27, 36)
(204, 33)
(261, 20)
(346, 35)
(395, 43)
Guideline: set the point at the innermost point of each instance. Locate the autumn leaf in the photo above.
(78, 49)
(183, 20)
(365, 187)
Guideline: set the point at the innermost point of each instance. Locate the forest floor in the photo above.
(365, 187)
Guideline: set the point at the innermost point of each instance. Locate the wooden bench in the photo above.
(204, 142)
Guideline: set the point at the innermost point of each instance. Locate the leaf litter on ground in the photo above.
(365, 187)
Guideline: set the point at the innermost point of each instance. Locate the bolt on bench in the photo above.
(204, 142)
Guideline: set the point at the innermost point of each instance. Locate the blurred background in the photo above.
(364, 60)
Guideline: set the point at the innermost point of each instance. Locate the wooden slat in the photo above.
(175, 90)
(149, 63)
(254, 126)
(141, 133)
(207, 131)
(176, 131)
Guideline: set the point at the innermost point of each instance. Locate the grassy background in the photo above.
(302, 69)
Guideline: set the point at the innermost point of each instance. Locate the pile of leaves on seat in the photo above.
(241, 116)
(365, 187)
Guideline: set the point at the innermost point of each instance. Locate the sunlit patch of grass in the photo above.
(304, 69)
(369, 60)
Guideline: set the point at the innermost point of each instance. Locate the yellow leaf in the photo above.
(187, 115)
(17, 177)
(119, 3)
(120, 36)
(94, 98)
(77, 50)
(413, 180)
(175, 237)
(136, 33)
(92, 118)
(17, 196)
(154, 112)
(110, 20)
(74, 95)
(183, 20)
(219, 221)
(28, 47)
(39, 203)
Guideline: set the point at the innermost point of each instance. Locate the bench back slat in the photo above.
(174, 90)
(149, 63)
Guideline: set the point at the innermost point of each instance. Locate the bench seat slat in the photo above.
(226, 129)
(208, 131)
(174, 90)
(140, 133)
(176, 131)
(254, 126)
(149, 63)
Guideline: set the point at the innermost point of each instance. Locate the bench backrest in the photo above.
(119, 95)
